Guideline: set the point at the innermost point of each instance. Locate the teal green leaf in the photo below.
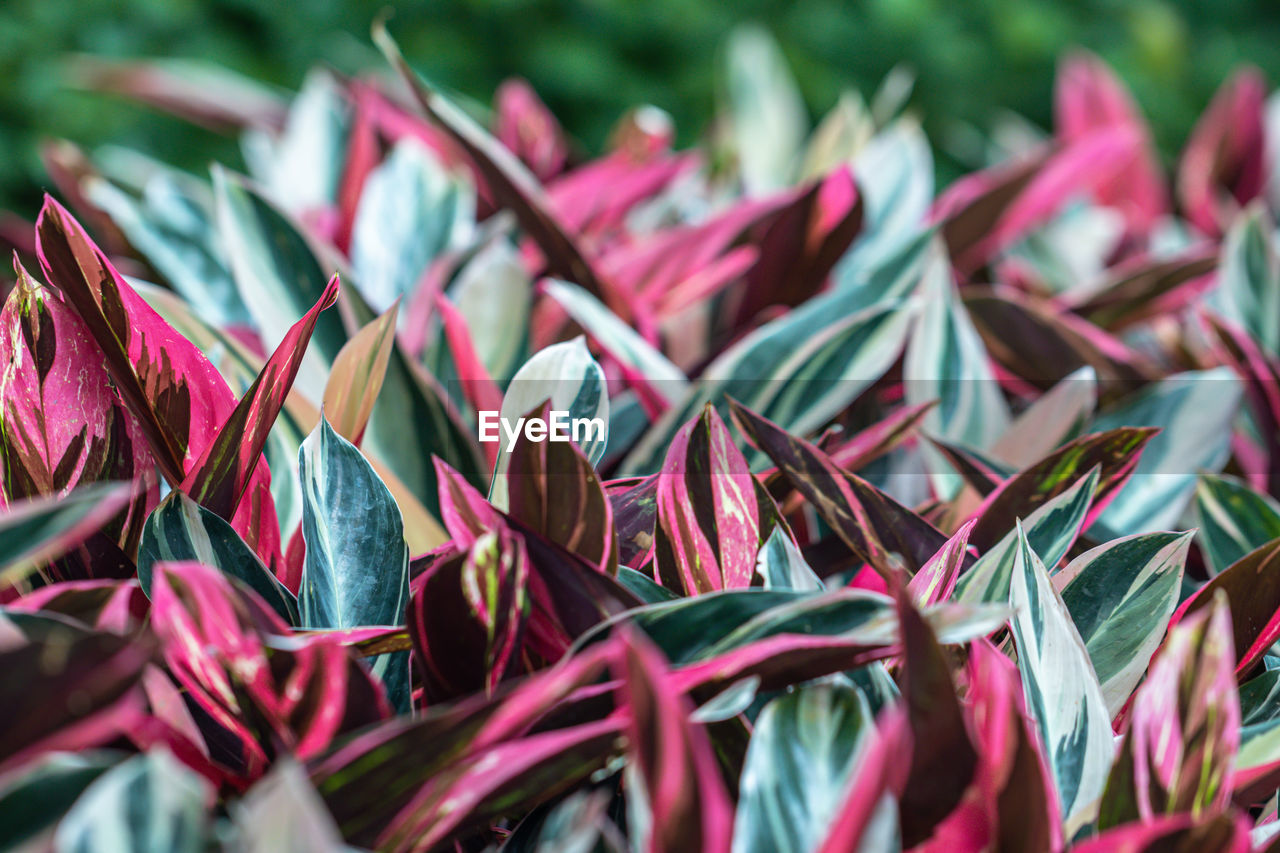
(356, 570)
(1062, 692)
(302, 166)
(1195, 411)
(179, 530)
(947, 361)
(150, 802)
(494, 292)
(411, 209)
(1248, 291)
(1050, 529)
(277, 274)
(35, 799)
(1233, 518)
(802, 751)
(1121, 596)
(781, 565)
(570, 378)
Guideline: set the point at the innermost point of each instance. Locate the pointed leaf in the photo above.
(1061, 689)
(1120, 596)
(180, 530)
(357, 375)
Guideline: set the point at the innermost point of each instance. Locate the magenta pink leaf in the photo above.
(178, 397)
(689, 806)
(1088, 98)
(1184, 727)
(1224, 165)
(708, 530)
(878, 773)
(221, 476)
(528, 129)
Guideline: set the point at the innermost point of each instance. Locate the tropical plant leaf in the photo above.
(688, 807)
(553, 490)
(180, 530)
(1180, 748)
(566, 375)
(1120, 596)
(354, 575)
(219, 478)
(149, 801)
(410, 211)
(357, 375)
(1061, 688)
(1051, 530)
(709, 521)
(798, 764)
(1234, 519)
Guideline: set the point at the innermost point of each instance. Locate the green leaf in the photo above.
(1050, 529)
(570, 378)
(1120, 596)
(41, 529)
(36, 798)
(179, 530)
(946, 361)
(170, 220)
(302, 166)
(781, 565)
(150, 802)
(410, 211)
(494, 292)
(1062, 692)
(356, 570)
(1233, 518)
(800, 370)
(767, 114)
(798, 763)
(1195, 411)
(620, 340)
(277, 274)
(1248, 291)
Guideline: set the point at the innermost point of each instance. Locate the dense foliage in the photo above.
(591, 59)
(887, 543)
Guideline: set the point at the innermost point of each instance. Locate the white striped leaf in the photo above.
(947, 361)
(1195, 411)
(1120, 596)
(411, 209)
(570, 378)
(1233, 519)
(803, 748)
(494, 292)
(1062, 691)
(356, 570)
(1051, 529)
(621, 341)
(180, 530)
(150, 802)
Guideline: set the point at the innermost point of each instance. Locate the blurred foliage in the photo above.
(590, 59)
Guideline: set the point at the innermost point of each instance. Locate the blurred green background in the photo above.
(590, 59)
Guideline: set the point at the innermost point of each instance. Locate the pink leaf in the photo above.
(1224, 165)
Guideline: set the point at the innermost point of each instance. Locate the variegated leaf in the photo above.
(708, 531)
(567, 376)
(180, 530)
(357, 565)
(1121, 595)
(1061, 688)
(1234, 519)
(798, 764)
(1179, 752)
(1050, 529)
